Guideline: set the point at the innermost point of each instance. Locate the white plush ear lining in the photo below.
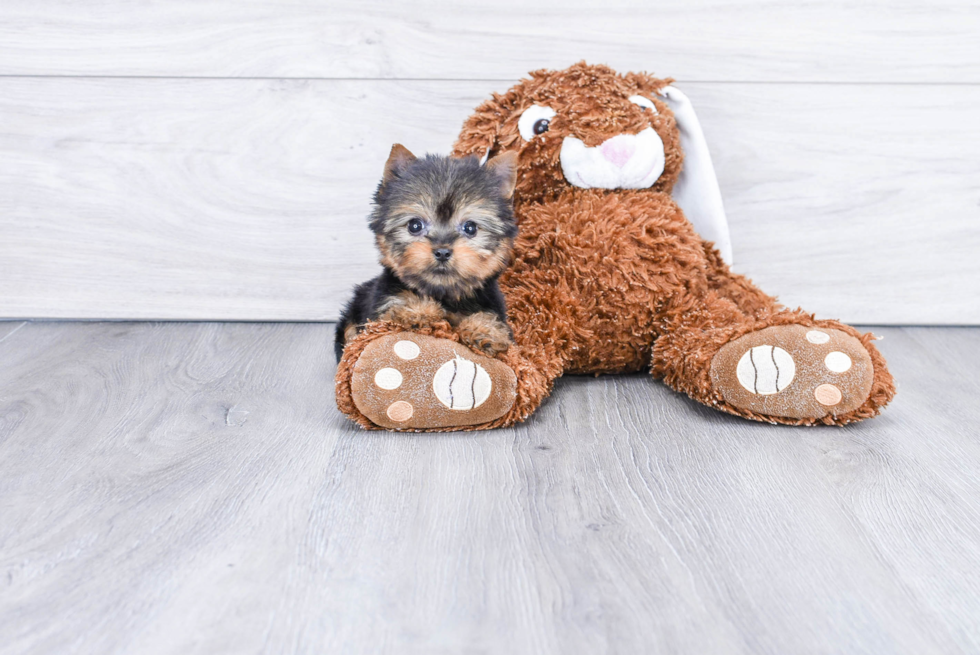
(696, 191)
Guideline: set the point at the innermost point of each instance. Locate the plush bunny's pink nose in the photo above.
(619, 149)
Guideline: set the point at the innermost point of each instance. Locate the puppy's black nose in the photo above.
(442, 254)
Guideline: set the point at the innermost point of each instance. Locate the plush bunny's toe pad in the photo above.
(408, 381)
(792, 371)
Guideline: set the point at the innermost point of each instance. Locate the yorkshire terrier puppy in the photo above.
(445, 228)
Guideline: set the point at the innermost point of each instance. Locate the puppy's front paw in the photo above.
(413, 312)
(484, 332)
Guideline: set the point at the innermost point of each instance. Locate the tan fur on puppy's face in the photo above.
(591, 103)
(477, 263)
(416, 260)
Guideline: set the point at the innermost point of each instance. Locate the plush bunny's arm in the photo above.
(696, 191)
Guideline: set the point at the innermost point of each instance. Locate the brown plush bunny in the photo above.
(609, 276)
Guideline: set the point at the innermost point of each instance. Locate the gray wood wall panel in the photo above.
(190, 488)
(245, 199)
(737, 40)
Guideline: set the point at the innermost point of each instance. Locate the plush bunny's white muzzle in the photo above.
(625, 161)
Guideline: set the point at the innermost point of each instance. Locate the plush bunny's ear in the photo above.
(696, 191)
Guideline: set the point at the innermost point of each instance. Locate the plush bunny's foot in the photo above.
(408, 381)
(794, 372)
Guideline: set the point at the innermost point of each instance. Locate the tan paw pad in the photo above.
(827, 394)
(400, 411)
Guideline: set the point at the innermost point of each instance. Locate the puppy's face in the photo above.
(445, 225)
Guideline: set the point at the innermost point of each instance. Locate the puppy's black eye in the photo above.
(541, 125)
(469, 228)
(415, 226)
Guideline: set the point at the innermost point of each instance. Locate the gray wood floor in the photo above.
(191, 488)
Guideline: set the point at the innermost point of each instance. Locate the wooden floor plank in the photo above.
(190, 488)
(9, 328)
(148, 474)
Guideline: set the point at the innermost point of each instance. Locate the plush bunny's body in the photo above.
(609, 276)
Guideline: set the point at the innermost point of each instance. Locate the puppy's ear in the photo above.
(397, 160)
(504, 168)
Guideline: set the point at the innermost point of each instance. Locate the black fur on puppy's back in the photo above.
(356, 312)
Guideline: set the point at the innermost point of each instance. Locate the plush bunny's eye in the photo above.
(643, 102)
(534, 121)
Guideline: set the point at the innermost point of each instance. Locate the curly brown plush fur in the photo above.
(615, 280)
